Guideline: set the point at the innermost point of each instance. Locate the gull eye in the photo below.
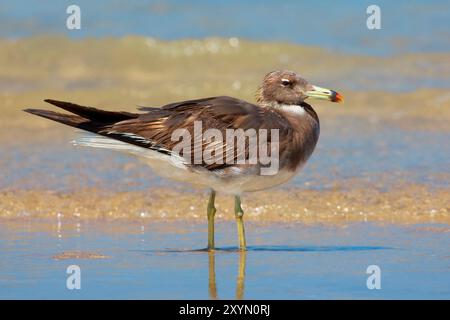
(285, 82)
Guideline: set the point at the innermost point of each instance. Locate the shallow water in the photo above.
(162, 260)
(406, 25)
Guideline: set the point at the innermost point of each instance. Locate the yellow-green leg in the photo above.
(241, 276)
(212, 275)
(211, 211)
(239, 213)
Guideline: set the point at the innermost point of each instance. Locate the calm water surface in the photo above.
(161, 260)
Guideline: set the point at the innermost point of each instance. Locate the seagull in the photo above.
(185, 141)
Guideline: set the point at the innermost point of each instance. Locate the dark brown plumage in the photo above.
(280, 106)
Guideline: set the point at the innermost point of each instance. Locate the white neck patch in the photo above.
(292, 108)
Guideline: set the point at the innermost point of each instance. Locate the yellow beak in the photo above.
(324, 94)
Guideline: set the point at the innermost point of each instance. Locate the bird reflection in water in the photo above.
(240, 280)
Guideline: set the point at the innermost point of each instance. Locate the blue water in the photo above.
(418, 26)
(151, 260)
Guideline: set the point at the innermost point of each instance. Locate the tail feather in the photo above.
(69, 119)
(96, 121)
(99, 122)
(93, 113)
(86, 118)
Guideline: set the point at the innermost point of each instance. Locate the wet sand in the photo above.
(409, 204)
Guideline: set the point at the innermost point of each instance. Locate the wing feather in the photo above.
(157, 126)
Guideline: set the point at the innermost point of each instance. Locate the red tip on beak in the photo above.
(337, 97)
